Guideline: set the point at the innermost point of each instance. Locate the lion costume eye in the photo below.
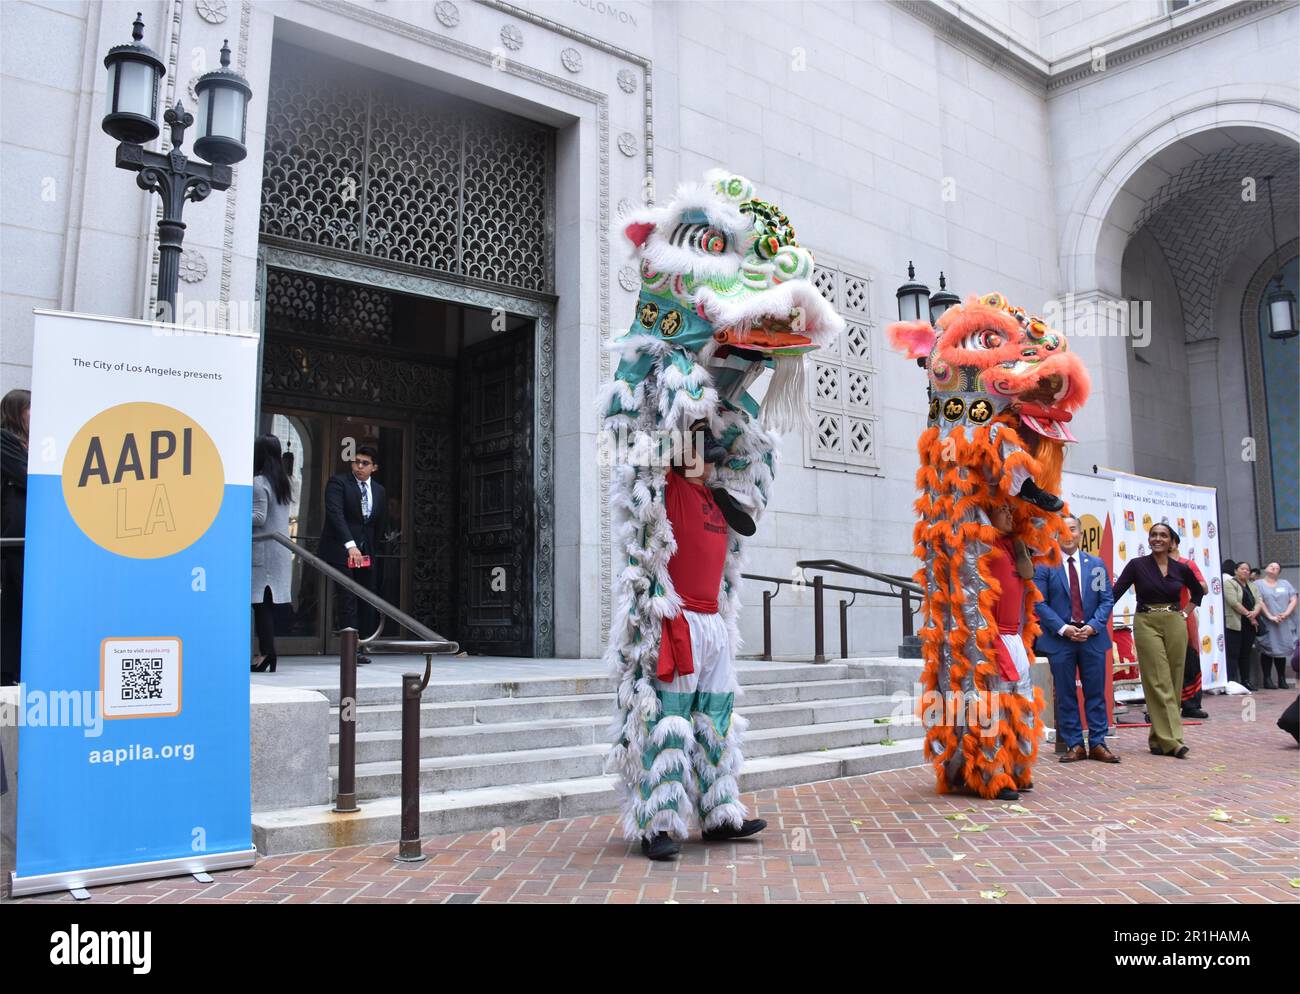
(701, 237)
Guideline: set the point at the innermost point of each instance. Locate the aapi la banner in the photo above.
(1139, 503)
(133, 751)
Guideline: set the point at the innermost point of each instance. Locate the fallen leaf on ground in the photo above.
(882, 721)
(973, 828)
(1247, 776)
(671, 901)
(1295, 882)
(993, 895)
(1131, 821)
(1282, 819)
(989, 865)
(1218, 814)
(856, 822)
(1219, 769)
(956, 817)
(958, 857)
(1019, 809)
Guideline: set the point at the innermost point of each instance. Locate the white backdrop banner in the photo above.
(1139, 503)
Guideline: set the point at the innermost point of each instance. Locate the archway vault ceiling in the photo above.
(1204, 215)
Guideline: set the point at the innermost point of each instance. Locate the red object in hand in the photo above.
(361, 563)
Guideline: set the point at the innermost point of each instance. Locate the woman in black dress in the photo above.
(1160, 635)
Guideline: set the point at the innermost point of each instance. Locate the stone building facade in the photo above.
(419, 170)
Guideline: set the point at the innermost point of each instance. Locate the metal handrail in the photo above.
(905, 591)
(836, 566)
(429, 643)
(431, 640)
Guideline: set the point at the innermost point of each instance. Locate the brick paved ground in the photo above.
(1141, 832)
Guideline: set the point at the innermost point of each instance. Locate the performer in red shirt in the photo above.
(1192, 666)
(1011, 569)
(696, 674)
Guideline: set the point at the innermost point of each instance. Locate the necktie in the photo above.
(365, 501)
(1076, 598)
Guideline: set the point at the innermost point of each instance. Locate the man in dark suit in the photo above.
(355, 512)
(1076, 602)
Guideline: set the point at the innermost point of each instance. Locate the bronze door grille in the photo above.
(364, 164)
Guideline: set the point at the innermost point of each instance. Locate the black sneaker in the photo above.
(1195, 713)
(663, 846)
(1036, 495)
(751, 826)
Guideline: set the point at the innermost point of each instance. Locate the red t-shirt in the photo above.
(1009, 607)
(701, 534)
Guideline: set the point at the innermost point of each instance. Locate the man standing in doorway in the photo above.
(1076, 602)
(355, 510)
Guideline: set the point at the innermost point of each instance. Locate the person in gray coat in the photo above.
(272, 562)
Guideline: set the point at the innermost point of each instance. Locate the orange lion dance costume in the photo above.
(1002, 385)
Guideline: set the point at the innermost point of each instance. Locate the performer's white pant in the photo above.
(693, 752)
(715, 666)
(1024, 685)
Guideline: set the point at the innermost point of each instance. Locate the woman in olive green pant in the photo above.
(1160, 634)
(1161, 641)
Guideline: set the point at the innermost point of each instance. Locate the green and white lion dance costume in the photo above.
(726, 292)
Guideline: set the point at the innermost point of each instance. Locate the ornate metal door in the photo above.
(497, 498)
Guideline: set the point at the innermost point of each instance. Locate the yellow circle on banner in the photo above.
(143, 480)
(1090, 534)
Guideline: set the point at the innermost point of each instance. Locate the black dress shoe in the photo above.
(662, 846)
(751, 826)
(1007, 794)
(363, 660)
(1268, 685)
(1195, 713)
(1036, 495)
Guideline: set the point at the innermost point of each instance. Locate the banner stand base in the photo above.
(101, 876)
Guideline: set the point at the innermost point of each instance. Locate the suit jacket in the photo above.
(1053, 582)
(343, 522)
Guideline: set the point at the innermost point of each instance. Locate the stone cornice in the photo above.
(972, 34)
(1124, 47)
(999, 49)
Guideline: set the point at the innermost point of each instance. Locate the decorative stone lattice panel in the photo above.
(366, 164)
(842, 388)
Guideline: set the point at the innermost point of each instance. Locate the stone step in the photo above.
(381, 717)
(465, 810)
(377, 745)
(564, 750)
(455, 691)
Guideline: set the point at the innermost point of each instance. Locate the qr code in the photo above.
(142, 678)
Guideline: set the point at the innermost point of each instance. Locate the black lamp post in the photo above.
(941, 301)
(1280, 300)
(913, 298)
(134, 73)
